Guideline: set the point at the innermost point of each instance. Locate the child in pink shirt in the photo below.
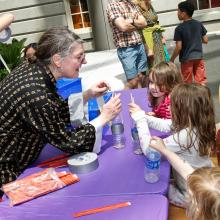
(162, 79)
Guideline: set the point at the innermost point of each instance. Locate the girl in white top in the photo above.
(193, 131)
(203, 185)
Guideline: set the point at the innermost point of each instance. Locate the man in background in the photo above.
(126, 20)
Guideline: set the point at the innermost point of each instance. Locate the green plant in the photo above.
(3, 74)
(11, 53)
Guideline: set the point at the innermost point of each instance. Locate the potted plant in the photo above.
(11, 53)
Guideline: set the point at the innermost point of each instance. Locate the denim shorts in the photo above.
(133, 59)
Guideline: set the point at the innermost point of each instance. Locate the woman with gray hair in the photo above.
(32, 114)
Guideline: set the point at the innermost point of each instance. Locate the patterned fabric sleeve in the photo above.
(47, 121)
(113, 12)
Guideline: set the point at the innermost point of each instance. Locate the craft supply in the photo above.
(52, 162)
(83, 163)
(101, 209)
(58, 163)
(37, 184)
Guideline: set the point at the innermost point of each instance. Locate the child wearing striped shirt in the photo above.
(162, 79)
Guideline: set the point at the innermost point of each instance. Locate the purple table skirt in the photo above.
(53, 207)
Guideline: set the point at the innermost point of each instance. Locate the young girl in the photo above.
(162, 79)
(193, 127)
(203, 185)
(30, 51)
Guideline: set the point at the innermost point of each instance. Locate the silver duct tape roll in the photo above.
(83, 163)
(117, 128)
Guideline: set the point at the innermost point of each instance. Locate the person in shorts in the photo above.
(126, 20)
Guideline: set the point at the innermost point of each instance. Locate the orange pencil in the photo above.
(57, 162)
(101, 209)
(53, 159)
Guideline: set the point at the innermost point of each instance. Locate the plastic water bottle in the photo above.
(135, 138)
(152, 166)
(117, 129)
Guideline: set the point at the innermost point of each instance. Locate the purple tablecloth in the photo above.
(53, 207)
(120, 171)
(120, 174)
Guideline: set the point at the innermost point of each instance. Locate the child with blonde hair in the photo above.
(193, 131)
(203, 185)
(162, 79)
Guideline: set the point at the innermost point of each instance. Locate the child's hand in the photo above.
(133, 108)
(150, 53)
(163, 40)
(150, 113)
(158, 144)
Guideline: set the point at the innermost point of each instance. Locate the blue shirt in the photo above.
(190, 33)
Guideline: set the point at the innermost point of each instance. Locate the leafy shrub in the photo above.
(11, 53)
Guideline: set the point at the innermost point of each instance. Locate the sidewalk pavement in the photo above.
(104, 65)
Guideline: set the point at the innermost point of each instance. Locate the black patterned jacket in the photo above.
(31, 115)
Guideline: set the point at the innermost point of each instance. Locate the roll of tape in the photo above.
(83, 163)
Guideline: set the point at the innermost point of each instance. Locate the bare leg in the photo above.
(132, 83)
(141, 80)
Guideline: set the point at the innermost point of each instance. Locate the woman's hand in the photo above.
(158, 144)
(111, 109)
(96, 90)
